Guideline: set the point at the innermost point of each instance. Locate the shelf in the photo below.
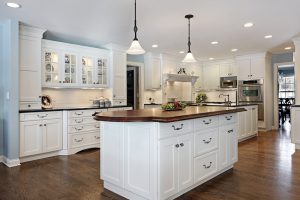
(180, 78)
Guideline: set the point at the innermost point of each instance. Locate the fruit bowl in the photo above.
(173, 106)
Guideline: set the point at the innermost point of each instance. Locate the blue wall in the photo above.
(1, 90)
(282, 58)
(135, 58)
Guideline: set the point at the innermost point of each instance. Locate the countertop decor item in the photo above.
(201, 97)
(189, 58)
(46, 101)
(135, 48)
(173, 106)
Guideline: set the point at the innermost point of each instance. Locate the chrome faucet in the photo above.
(227, 101)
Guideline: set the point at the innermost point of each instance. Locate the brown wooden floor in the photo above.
(268, 168)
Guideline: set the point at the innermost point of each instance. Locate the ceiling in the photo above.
(98, 22)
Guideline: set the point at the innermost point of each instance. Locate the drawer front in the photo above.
(84, 128)
(175, 128)
(228, 118)
(79, 140)
(84, 113)
(40, 115)
(95, 137)
(206, 122)
(205, 166)
(122, 102)
(30, 105)
(81, 120)
(206, 141)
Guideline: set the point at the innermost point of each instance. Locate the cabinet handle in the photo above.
(205, 122)
(178, 128)
(253, 108)
(97, 126)
(77, 113)
(76, 140)
(79, 129)
(207, 166)
(177, 145)
(59, 81)
(181, 144)
(228, 118)
(230, 131)
(45, 124)
(41, 124)
(78, 121)
(42, 116)
(208, 141)
(97, 137)
(114, 95)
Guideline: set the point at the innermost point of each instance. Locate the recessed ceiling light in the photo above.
(13, 5)
(215, 42)
(211, 58)
(268, 36)
(248, 25)
(288, 48)
(155, 45)
(181, 51)
(234, 50)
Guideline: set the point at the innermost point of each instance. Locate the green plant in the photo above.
(173, 106)
(201, 97)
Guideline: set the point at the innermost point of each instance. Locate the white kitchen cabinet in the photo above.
(152, 71)
(228, 69)
(227, 146)
(258, 65)
(251, 67)
(244, 68)
(40, 136)
(295, 130)
(248, 123)
(119, 75)
(30, 66)
(176, 164)
(211, 76)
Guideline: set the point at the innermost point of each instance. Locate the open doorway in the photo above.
(133, 86)
(285, 94)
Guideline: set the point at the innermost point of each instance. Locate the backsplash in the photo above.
(213, 96)
(75, 97)
(155, 94)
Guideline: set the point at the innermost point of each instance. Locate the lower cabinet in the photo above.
(176, 164)
(40, 136)
(205, 165)
(248, 122)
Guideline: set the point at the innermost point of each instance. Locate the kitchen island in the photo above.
(155, 154)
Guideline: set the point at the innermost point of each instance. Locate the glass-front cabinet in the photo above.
(63, 66)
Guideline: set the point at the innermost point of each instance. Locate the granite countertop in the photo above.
(222, 104)
(68, 108)
(158, 115)
(152, 103)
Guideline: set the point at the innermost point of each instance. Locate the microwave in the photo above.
(228, 82)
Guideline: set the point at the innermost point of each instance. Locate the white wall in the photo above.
(75, 97)
(1, 90)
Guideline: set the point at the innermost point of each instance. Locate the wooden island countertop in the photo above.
(158, 115)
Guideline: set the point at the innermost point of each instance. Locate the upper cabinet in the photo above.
(152, 71)
(251, 67)
(228, 69)
(211, 76)
(73, 66)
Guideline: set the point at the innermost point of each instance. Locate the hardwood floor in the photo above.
(268, 168)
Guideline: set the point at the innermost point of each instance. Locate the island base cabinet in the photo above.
(176, 165)
(205, 165)
(248, 122)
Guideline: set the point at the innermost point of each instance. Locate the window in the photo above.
(286, 86)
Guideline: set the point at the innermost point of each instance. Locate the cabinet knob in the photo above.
(45, 124)
(59, 81)
(177, 145)
(181, 144)
(28, 105)
(41, 124)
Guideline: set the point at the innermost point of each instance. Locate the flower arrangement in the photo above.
(201, 97)
(173, 106)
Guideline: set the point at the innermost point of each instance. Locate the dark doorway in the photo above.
(133, 86)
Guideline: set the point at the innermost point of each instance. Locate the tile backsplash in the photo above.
(213, 96)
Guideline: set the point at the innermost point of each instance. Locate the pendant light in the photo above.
(135, 48)
(189, 58)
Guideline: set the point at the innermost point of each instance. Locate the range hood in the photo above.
(180, 78)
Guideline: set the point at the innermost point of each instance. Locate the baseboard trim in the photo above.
(1, 159)
(11, 162)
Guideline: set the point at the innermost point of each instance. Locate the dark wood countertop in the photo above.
(158, 115)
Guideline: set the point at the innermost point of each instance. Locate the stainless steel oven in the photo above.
(228, 82)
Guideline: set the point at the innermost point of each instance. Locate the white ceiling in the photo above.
(162, 22)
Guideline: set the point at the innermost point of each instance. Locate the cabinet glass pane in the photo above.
(70, 68)
(51, 67)
(87, 70)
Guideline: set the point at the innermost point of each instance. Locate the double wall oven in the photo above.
(252, 91)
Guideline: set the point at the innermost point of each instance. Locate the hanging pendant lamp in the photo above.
(189, 58)
(135, 48)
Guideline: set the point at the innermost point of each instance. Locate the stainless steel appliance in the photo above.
(252, 91)
(228, 82)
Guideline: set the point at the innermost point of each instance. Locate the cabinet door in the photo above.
(243, 68)
(69, 69)
(52, 135)
(119, 76)
(232, 144)
(223, 147)
(156, 73)
(101, 72)
(254, 120)
(168, 167)
(211, 76)
(30, 138)
(242, 124)
(257, 67)
(248, 123)
(51, 70)
(185, 162)
(30, 86)
(225, 70)
(87, 66)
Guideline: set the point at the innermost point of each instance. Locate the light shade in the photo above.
(135, 48)
(189, 58)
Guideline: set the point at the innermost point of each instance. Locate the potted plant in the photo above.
(201, 97)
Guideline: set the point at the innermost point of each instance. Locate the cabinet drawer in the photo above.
(84, 128)
(175, 128)
(228, 118)
(122, 102)
(205, 166)
(79, 140)
(206, 122)
(81, 120)
(84, 113)
(40, 116)
(205, 141)
(95, 137)
(30, 105)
